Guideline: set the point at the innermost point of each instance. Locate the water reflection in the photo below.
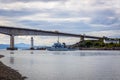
(12, 52)
(31, 52)
(12, 60)
(31, 61)
(59, 53)
(82, 54)
(77, 65)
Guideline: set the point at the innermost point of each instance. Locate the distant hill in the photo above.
(3, 46)
(20, 46)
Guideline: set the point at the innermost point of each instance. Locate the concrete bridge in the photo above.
(14, 31)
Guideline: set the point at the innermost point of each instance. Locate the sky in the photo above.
(90, 17)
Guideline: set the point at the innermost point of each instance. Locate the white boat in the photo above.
(58, 47)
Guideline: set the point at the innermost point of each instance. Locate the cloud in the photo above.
(107, 33)
(4, 39)
(14, 14)
(10, 22)
(11, 1)
(7, 22)
(68, 5)
(93, 17)
(50, 18)
(29, 5)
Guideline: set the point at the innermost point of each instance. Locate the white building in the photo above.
(111, 41)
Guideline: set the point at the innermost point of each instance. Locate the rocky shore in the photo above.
(6, 73)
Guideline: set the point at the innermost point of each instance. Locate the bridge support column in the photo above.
(32, 43)
(11, 43)
(81, 38)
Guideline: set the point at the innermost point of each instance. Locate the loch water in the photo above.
(64, 65)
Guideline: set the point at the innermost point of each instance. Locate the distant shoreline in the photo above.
(99, 48)
(77, 49)
(7, 73)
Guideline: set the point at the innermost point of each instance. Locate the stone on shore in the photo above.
(6, 73)
(1, 56)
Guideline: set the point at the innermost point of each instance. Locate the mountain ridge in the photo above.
(19, 45)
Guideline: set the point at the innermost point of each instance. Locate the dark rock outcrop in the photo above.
(6, 73)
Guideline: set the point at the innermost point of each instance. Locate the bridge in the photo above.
(14, 31)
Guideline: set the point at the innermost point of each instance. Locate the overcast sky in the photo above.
(91, 17)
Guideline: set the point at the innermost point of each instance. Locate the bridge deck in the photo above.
(24, 31)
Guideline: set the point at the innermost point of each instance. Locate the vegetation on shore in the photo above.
(95, 44)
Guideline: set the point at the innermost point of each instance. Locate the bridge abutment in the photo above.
(82, 38)
(12, 46)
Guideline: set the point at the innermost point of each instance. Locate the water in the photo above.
(69, 65)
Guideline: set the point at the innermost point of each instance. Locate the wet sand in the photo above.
(7, 73)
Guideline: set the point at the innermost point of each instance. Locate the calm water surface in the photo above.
(69, 65)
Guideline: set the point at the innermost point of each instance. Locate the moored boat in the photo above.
(58, 47)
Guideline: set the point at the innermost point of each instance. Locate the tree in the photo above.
(88, 44)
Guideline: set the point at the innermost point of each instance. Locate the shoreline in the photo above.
(7, 73)
(99, 48)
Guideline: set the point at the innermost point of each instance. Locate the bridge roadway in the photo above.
(14, 31)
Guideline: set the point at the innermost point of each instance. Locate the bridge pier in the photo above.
(82, 38)
(12, 47)
(32, 43)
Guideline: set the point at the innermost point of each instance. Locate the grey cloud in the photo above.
(12, 13)
(99, 2)
(10, 1)
(104, 20)
(106, 12)
(105, 17)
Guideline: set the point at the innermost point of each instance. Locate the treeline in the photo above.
(95, 44)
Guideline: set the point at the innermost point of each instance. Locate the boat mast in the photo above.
(58, 38)
(58, 35)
